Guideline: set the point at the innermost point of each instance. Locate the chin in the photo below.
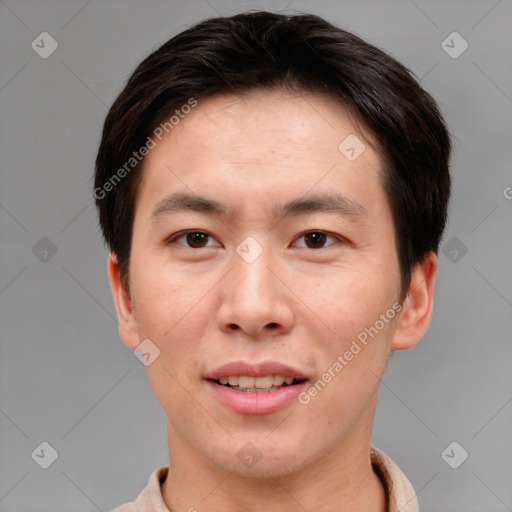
(268, 467)
(263, 459)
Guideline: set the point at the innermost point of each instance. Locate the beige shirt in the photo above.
(401, 495)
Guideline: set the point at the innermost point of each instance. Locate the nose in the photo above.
(255, 298)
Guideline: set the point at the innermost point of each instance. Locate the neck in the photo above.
(342, 479)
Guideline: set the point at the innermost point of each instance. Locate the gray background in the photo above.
(67, 379)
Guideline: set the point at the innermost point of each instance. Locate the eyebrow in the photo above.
(331, 203)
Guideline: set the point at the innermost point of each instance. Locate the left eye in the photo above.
(316, 239)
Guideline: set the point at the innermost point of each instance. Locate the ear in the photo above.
(128, 330)
(418, 305)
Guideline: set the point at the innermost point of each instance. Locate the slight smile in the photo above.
(256, 388)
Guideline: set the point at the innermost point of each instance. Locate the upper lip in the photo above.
(260, 369)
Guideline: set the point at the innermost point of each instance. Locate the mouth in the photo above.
(251, 384)
(259, 388)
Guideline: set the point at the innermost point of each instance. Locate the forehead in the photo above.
(262, 146)
(284, 122)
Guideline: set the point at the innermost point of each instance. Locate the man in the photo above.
(273, 191)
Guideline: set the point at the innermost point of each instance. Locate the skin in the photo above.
(298, 304)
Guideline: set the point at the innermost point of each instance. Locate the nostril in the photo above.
(273, 325)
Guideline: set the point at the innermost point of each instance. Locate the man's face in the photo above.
(285, 302)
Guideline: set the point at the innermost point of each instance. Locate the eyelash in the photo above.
(173, 239)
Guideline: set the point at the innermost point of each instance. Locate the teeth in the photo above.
(278, 380)
(253, 383)
(245, 382)
(262, 382)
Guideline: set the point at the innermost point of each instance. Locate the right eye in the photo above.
(193, 239)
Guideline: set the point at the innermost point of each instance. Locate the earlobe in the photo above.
(127, 324)
(418, 305)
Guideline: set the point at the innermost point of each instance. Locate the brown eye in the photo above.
(318, 240)
(315, 239)
(192, 240)
(196, 239)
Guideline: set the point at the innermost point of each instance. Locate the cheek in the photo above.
(167, 299)
(351, 307)
(344, 301)
(174, 316)
(174, 393)
(348, 380)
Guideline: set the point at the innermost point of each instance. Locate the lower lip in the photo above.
(257, 403)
